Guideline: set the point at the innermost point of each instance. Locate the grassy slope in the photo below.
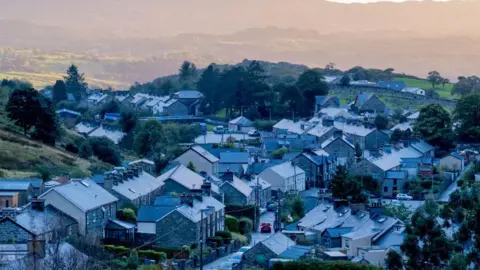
(424, 84)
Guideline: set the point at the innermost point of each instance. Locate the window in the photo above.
(394, 182)
(94, 217)
(6, 203)
(347, 244)
(385, 189)
(375, 175)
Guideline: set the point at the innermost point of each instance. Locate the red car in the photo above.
(266, 228)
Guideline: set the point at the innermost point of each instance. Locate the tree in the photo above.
(434, 78)
(208, 86)
(298, 207)
(127, 214)
(167, 87)
(345, 81)
(75, 83)
(291, 97)
(466, 85)
(128, 121)
(105, 150)
(394, 261)
(345, 187)
(445, 81)
(85, 150)
(457, 262)
(112, 106)
(435, 126)
(191, 166)
(431, 93)
(59, 92)
(148, 138)
(381, 122)
(467, 114)
(24, 107)
(187, 70)
(160, 163)
(46, 127)
(311, 83)
(397, 135)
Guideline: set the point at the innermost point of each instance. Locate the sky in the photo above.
(375, 1)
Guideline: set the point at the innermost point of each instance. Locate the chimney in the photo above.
(36, 247)
(227, 176)
(207, 188)
(337, 133)
(387, 148)
(135, 171)
(406, 143)
(186, 198)
(108, 180)
(38, 204)
(130, 173)
(197, 194)
(125, 176)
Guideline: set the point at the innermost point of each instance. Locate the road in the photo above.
(268, 217)
(445, 196)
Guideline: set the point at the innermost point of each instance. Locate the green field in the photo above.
(424, 84)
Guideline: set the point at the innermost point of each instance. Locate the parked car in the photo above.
(219, 130)
(266, 228)
(262, 210)
(402, 196)
(226, 266)
(244, 249)
(254, 133)
(236, 258)
(272, 207)
(396, 203)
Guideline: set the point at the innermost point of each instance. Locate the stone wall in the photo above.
(9, 231)
(233, 196)
(177, 231)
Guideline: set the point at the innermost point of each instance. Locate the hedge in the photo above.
(245, 225)
(215, 241)
(231, 223)
(116, 249)
(324, 265)
(227, 236)
(153, 255)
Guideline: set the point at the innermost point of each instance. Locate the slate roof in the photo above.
(271, 144)
(153, 213)
(319, 130)
(422, 146)
(332, 139)
(86, 196)
(84, 128)
(337, 232)
(204, 153)
(241, 121)
(456, 155)
(36, 182)
(98, 178)
(138, 186)
(188, 94)
(391, 238)
(114, 135)
(359, 130)
(412, 90)
(234, 157)
(321, 100)
(336, 112)
(324, 216)
(229, 167)
(120, 223)
(295, 252)
(293, 127)
(394, 85)
(239, 185)
(388, 161)
(166, 200)
(150, 162)
(38, 222)
(403, 126)
(14, 184)
(97, 97)
(111, 116)
(361, 99)
(414, 116)
(8, 193)
(252, 183)
(193, 213)
(374, 226)
(66, 111)
(258, 167)
(278, 243)
(285, 170)
(183, 176)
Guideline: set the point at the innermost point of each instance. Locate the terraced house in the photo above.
(86, 202)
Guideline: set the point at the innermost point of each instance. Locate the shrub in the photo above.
(70, 147)
(279, 153)
(127, 215)
(116, 249)
(245, 225)
(227, 236)
(153, 255)
(105, 150)
(231, 223)
(85, 150)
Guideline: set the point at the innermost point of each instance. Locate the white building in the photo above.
(201, 159)
(285, 177)
(414, 90)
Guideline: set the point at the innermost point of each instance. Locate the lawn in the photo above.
(424, 84)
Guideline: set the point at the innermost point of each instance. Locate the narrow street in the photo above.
(445, 196)
(268, 217)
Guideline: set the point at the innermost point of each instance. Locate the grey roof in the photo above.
(324, 216)
(241, 121)
(188, 94)
(193, 212)
(337, 232)
(147, 161)
(391, 160)
(359, 130)
(84, 194)
(8, 193)
(422, 146)
(183, 176)
(230, 167)
(332, 139)
(393, 237)
(295, 252)
(285, 170)
(98, 178)
(456, 155)
(259, 167)
(361, 99)
(123, 224)
(138, 186)
(114, 135)
(38, 222)
(239, 185)
(153, 213)
(14, 184)
(299, 127)
(67, 111)
(278, 243)
(167, 201)
(234, 157)
(85, 128)
(264, 184)
(374, 226)
(394, 85)
(204, 153)
(403, 126)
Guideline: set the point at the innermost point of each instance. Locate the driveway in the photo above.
(445, 196)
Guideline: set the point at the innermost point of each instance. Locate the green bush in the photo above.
(324, 265)
(153, 255)
(245, 225)
(279, 153)
(127, 215)
(116, 249)
(227, 236)
(231, 223)
(215, 241)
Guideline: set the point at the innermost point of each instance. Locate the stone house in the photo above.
(368, 103)
(285, 177)
(119, 230)
(453, 162)
(183, 224)
(322, 132)
(318, 168)
(146, 165)
(264, 190)
(23, 187)
(366, 136)
(133, 185)
(270, 248)
(326, 102)
(240, 124)
(86, 202)
(191, 99)
(175, 108)
(68, 117)
(339, 147)
(332, 237)
(46, 223)
(200, 158)
(236, 192)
